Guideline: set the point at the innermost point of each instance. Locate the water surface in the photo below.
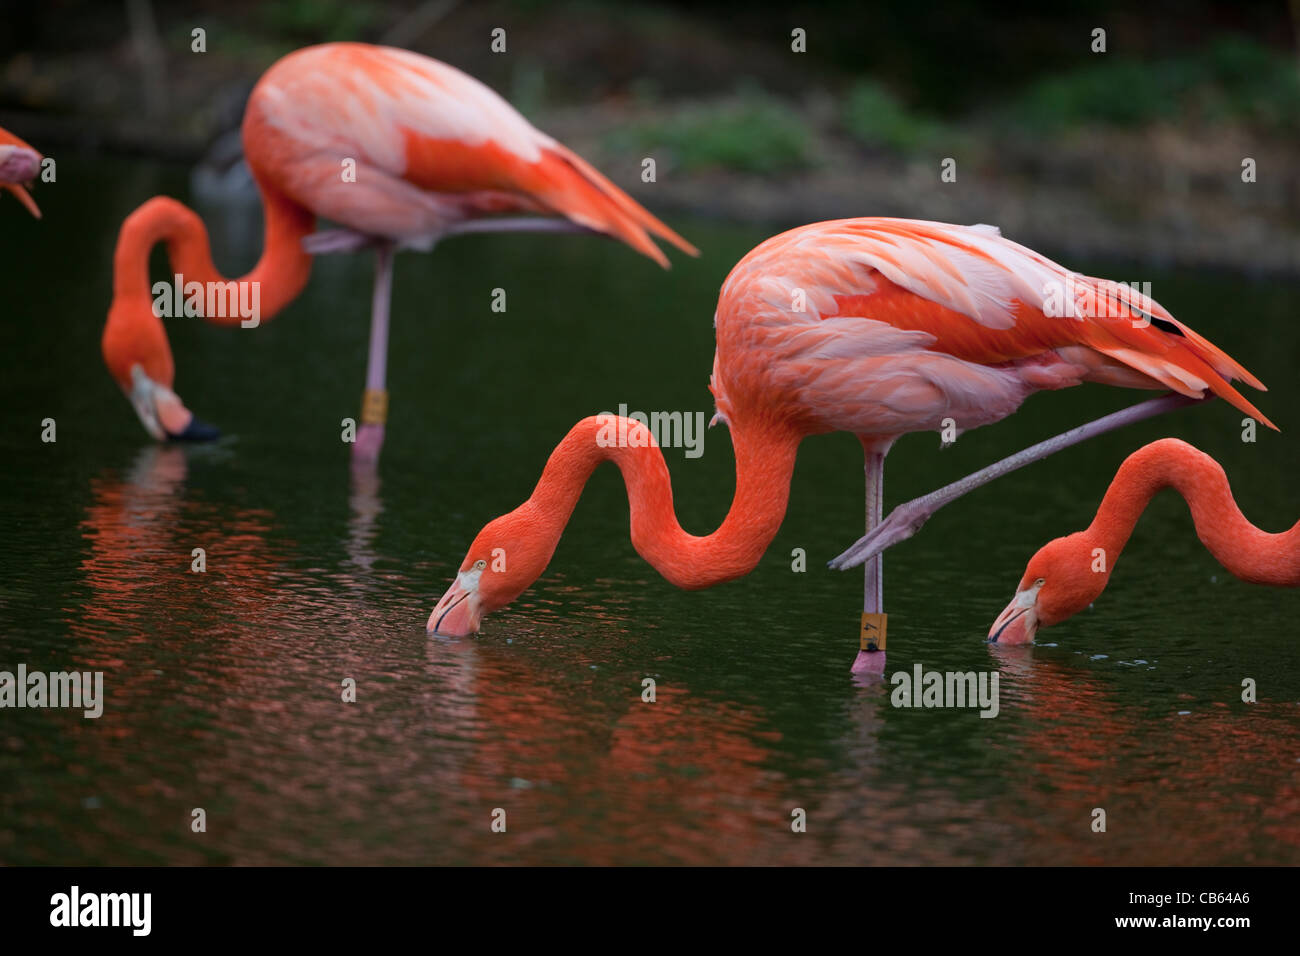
(223, 689)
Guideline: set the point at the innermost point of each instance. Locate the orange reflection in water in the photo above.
(1221, 780)
(223, 690)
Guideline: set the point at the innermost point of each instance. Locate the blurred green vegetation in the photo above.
(751, 132)
(279, 27)
(1234, 80)
(875, 117)
(315, 21)
(922, 78)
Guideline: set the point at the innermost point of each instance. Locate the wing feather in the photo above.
(979, 300)
(410, 121)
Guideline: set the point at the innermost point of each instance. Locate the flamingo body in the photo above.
(431, 145)
(906, 323)
(396, 147)
(877, 327)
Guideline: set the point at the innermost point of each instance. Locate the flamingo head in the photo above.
(1064, 577)
(505, 559)
(140, 361)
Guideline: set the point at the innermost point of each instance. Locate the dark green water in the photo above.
(223, 689)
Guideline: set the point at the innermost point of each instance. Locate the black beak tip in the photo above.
(197, 430)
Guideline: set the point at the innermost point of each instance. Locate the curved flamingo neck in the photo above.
(765, 456)
(1243, 549)
(281, 272)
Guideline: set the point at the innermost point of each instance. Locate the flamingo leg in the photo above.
(873, 569)
(330, 241)
(905, 520)
(374, 401)
(518, 224)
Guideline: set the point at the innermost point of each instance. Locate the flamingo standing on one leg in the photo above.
(399, 149)
(1069, 573)
(877, 327)
(19, 164)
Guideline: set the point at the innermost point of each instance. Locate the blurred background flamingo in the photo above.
(19, 164)
(400, 150)
(878, 327)
(1068, 574)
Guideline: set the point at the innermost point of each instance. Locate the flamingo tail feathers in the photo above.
(574, 187)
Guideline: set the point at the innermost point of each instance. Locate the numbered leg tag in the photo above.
(872, 636)
(374, 406)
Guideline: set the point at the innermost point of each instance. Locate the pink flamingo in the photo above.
(19, 164)
(877, 327)
(1069, 573)
(400, 150)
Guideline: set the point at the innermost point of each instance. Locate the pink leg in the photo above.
(873, 580)
(905, 520)
(330, 241)
(370, 436)
(517, 224)
(873, 571)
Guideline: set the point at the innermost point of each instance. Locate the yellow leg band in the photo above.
(872, 637)
(374, 406)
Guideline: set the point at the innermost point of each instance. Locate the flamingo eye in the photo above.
(480, 564)
(1040, 582)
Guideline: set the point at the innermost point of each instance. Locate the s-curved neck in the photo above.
(765, 456)
(1243, 549)
(280, 273)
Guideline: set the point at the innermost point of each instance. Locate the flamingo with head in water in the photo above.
(878, 327)
(1068, 574)
(19, 164)
(398, 149)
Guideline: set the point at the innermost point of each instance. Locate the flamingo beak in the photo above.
(163, 414)
(19, 165)
(457, 613)
(1018, 622)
